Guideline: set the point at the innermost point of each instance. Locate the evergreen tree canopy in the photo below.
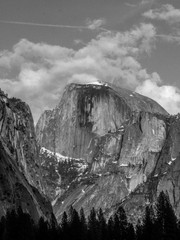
(157, 224)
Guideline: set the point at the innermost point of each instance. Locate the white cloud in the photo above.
(167, 96)
(171, 38)
(38, 71)
(83, 78)
(79, 42)
(44, 25)
(167, 13)
(95, 24)
(170, 15)
(139, 4)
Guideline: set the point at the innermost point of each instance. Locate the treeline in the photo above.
(159, 223)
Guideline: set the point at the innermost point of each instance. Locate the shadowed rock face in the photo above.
(128, 141)
(19, 163)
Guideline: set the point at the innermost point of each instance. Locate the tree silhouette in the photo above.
(123, 223)
(92, 225)
(53, 229)
(2, 226)
(11, 226)
(64, 226)
(74, 224)
(130, 233)
(42, 230)
(148, 227)
(166, 221)
(102, 227)
(139, 231)
(83, 231)
(110, 228)
(160, 224)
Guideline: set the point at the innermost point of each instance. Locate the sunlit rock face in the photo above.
(164, 175)
(168, 167)
(20, 178)
(121, 137)
(18, 137)
(85, 114)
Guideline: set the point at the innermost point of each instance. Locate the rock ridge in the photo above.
(20, 171)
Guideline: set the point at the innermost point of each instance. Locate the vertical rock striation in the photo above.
(20, 176)
(128, 142)
(86, 112)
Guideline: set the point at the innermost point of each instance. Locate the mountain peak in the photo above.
(119, 134)
(136, 101)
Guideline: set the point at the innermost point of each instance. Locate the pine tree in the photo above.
(92, 225)
(53, 229)
(110, 228)
(123, 223)
(11, 226)
(2, 227)
(25, 225)
(116, 228)
(178, 229)
(83, 222)
(102, 227)
(130, 233)
(64, 226)
(148, 224)
(42, 230)
(139, 231)
(74, 224)
(166, 222)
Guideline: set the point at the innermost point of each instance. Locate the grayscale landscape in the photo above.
(89, 120)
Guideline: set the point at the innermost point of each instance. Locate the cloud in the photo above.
(95, 24)
(167, 96)
(47, 25)
(83, 78)
(79, 42)
(142, 3)
(37, 72)
(171, 38)
(166, 13)
(170, 15)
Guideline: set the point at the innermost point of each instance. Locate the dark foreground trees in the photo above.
(159, 223)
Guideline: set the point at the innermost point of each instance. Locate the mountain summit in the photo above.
(87, 111)
(107, 147)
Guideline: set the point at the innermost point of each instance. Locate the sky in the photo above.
(46, 44)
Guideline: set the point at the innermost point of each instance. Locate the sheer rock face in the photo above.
(169, 164)
(127, 141)
(86, 113)
(165, 175)
(19, 163)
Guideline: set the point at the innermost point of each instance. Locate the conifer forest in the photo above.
(159, 222)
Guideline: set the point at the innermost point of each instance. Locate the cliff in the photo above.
(129, 145)
(20, 177)
(86, 112)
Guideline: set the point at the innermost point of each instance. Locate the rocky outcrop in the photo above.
(59, 172)
(20, 176)
(128, 141)
(163, 177)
